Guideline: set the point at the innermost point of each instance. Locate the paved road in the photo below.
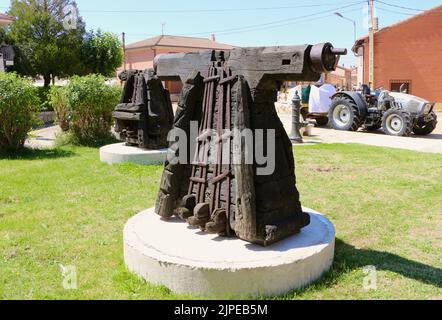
(44, 138)
(431, 143)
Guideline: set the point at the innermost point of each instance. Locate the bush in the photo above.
(57, 100)
(43, 94)
(18, 104)
(89, 103)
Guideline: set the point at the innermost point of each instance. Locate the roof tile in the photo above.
(179, 41)
(5, 19)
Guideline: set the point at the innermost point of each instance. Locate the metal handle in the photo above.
(339, 51)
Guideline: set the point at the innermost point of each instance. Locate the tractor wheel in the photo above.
(424, 129)
(304, 113)
(344, 115)
(397, 123)
(321, 121)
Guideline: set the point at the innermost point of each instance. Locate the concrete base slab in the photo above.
(187, 261)
(120, 153)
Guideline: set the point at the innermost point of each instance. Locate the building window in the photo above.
(400, 85)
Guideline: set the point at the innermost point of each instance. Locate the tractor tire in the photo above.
(322, 121)
(396, 122)
(424, 129)
(304, 113)
(344, 115)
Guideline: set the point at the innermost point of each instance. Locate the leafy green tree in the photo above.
(47, 37)
(3, 35)
(102, 53)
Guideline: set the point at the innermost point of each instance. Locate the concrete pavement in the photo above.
(44, 138)
(431, 143)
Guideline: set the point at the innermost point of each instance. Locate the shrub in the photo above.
(18, 104)
(89, 106)
(57, 100)
(43, 95)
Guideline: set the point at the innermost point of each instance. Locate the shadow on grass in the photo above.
(68, 138)
(98, 143)
(353, 258)
(36, 154)
(349, 258)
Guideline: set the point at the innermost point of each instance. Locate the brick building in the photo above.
(4, 19)
(408, 52)
(140, 55)
(341, 78)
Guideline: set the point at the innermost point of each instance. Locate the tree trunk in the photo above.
(47, 79)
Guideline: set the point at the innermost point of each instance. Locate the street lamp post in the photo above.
(354, 22)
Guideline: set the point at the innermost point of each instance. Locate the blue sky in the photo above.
(257, 22)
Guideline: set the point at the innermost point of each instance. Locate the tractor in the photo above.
(397, 113)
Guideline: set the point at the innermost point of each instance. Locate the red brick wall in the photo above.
(411, 50)
(340, 78)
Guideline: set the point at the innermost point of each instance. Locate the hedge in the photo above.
(18, 103)
(84, 107)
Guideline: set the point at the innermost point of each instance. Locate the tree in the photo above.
(3, 35)
(47, 37)
(102, 53)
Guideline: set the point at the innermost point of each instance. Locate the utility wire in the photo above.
(258, 28)
(400, 7)
(397, 12)
(286, 24)
(404, 13)
(186, 11)
(246, 28)
(265, 26)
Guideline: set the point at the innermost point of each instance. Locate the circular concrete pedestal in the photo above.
(120, 153)
(188, 261)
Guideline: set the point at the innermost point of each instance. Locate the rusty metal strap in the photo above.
(199, 164)
(221, 177)
(206, 134)
(226, 136)
(212, 79)
(227, 80)
(198, 180)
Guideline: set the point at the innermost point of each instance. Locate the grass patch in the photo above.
(69, 139)
(64, 207)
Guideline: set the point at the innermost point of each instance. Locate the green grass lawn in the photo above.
(65, 207)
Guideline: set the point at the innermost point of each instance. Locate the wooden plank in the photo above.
(127, 116)
(130, 107)
(245, 220)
